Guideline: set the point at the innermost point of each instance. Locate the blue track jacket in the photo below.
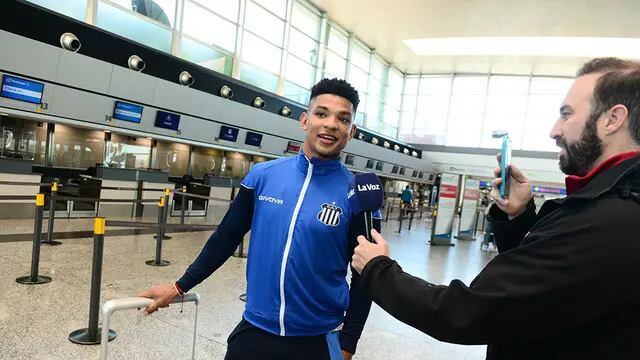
(302, 239)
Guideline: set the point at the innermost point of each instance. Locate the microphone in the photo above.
(366, 196)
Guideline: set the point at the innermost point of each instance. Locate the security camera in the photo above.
(414, 153)
(136, 63)
(375, 141)
(185, 78)
(406, 151)
(361, 136)
(285, 111)
(396, 147)
(259, 102)
(386, 144)
(226, 92)
(70, 42)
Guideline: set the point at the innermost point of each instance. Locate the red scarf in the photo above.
(575, 183)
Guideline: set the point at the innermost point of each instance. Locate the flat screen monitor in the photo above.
(349, 159)
(402, 171)
(253, 139)
(127, 112)
(394, 169)
(370, 164)
(228, 133)
(415, 173)
(420, 175)
(167, 120)
(379, 165)
(22, 89)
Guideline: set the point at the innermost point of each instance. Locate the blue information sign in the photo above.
(253, 139)
(167, 120)
(21, 89)
(127, 112)
(228, 133)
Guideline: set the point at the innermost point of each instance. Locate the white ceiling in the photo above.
(383, 24)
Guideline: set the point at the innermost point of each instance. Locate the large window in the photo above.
(209, 27)
(76, 9)
(205, 56)
(171, 157)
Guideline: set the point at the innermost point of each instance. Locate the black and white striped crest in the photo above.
(330, 214)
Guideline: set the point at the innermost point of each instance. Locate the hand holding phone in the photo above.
(505, 166)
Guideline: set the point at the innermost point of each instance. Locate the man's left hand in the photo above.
(347, 355)
(365, 251)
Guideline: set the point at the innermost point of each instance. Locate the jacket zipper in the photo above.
(285, 256)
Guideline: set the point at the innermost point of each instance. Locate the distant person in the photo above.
(565, 284)
(407, 196)
(299, 304)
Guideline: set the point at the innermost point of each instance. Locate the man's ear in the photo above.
(304, 119)
(353, 131)
(616, 119)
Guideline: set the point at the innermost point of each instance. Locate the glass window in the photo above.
(126, 24)
(76, 9)
(547, 85)
(23, 139)
(128, 152)
(260, 21)
(236, 164)
(306, 20)
(227, 8)
(295, 93)
(338, 42)
(358, 78)
(378, 69)
(162, 11)
(171, 157)
(508, 85)
(206, 161)
(77, 147)
(208, 27)
(465, 120)
(411, 85)
(435, 85)
(334, 66)
(303, 46)
(470, 85)
(205, 56)
(278, 7)
(258, 77)
(259, 52)
(300, 72)
(360, 57)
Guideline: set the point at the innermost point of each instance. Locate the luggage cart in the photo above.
(135, 303)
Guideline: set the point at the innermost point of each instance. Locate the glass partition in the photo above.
(77, 147)
(205, 56)
(171, 157)
(23, 139)
(206, 161)
(236, 164)
(128, 152)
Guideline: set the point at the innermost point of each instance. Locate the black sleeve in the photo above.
(509, 233)
(223, 242)
(359, 301)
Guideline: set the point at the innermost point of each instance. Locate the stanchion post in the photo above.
(52, 216)
(182, 201)
(389, 205)
(34, 278)
(158, 259)
(400, 218)
(91, 335)
(411, 211)
(167, 194)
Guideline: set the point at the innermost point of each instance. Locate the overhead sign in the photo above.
(167, 120)
(127, 112)
(228, 133)
(294, 147)
(22, 89)
(253, 139)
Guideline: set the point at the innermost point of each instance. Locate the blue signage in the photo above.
(127, 112)
(167, 120)
(228, 133)
(253, 139)
(22, 89)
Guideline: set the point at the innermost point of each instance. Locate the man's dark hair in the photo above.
(619, 87)
(604, 65)
(336, 87)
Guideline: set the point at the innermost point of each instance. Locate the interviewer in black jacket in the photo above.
(566, 283)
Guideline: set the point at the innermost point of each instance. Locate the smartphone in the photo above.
(505, 166)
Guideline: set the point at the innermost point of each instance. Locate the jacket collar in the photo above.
(319, 166)
(606, 179)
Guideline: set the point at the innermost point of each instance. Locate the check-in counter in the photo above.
(114, 182)
(151, 179)
(221, 188)
(16, 170)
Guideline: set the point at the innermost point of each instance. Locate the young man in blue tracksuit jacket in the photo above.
(299, 304)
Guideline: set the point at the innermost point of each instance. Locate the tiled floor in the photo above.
(35, 321)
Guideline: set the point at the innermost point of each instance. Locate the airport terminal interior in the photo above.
(148, 114)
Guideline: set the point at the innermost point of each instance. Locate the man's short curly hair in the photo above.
(336, 87)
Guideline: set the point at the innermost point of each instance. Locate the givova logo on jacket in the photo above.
(330, 214)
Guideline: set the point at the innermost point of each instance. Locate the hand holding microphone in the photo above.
(365, 197)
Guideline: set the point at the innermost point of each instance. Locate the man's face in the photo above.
(329, 125)
(575, 131)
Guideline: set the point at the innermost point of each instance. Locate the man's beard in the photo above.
(580, 156)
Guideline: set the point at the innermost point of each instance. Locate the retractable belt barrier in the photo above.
(52, 213)
(34, 278)
(159, 237)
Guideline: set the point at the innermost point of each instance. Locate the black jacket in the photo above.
(566, 284)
